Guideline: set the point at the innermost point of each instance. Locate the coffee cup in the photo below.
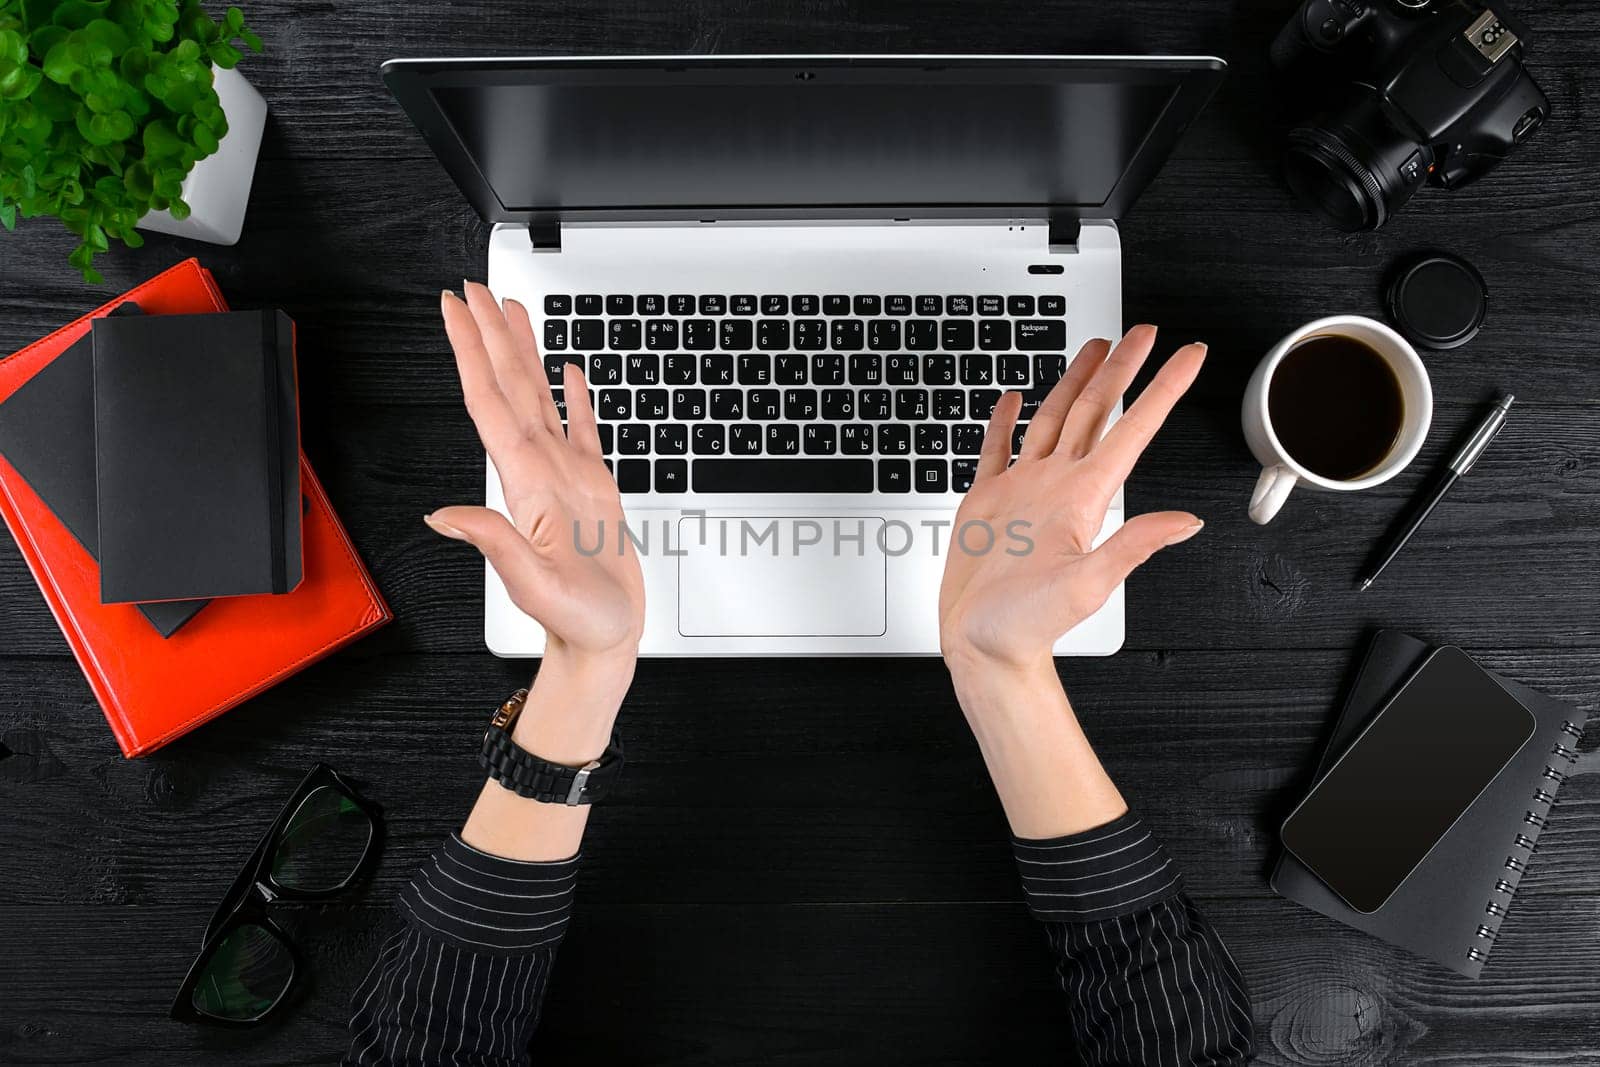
(1339, 405)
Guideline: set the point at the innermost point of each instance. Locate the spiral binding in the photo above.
(1527, 841)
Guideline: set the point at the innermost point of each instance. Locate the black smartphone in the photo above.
(1406, 778)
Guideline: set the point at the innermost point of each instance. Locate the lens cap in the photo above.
(1437, 301)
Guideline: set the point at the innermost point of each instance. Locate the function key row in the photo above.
(746, 304)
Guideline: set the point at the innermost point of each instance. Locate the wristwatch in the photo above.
(527, 775)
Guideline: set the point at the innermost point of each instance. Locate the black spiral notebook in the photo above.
(1450, 909)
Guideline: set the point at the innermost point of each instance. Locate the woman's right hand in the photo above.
(556, 487)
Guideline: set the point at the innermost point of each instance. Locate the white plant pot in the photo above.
(217, 190)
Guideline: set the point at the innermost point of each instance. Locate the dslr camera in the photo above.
(1412, 91)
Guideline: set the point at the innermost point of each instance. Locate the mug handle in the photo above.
(1272, 490)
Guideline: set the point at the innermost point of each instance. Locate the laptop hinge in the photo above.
(1064, 231)
(544, 233)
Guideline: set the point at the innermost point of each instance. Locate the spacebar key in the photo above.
(782, 476)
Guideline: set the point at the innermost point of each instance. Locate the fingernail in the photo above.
(445, 294)
(1186, 533)
(443, 528)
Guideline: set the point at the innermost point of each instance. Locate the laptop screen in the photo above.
(783, 134)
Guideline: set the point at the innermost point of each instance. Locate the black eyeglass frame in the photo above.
(245, 903)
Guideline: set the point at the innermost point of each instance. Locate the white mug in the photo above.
(1280, 472)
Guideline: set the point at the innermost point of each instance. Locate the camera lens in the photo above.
(1353, 167)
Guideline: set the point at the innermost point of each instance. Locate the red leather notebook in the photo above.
(154, 689)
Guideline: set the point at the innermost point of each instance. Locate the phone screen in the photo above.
(1406, 779)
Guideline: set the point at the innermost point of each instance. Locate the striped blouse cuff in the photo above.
(491, 904)
(1112, 870)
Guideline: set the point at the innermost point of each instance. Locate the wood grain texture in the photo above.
(856, 902)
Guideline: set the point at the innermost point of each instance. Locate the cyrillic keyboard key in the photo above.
(555, 335)
(633, 439)
(981, 402)
(783, 439)
(866, 370)
(643, 370)
(977, 370)
(716, 370)
(727, 404)
(799, 404)
(1041, 335)
(939, 370)
(1048, 370)
(671, 439)
(855, 439)
(931, 439)
(827, 370)
(782, 475)
(615, 405)
(789, 369)
(679, 369)
(755, 370)
(902, 369)
(744, 439)
(874, 404)
(910, 405)
(661, 335)
(949, 405)
(651, 404)
(894, 439)
(819, 439)
(708, 439)
(605, 370)
(688, 404)
(838, 404)
(966, 439)
(1013, 370)
(763, 405)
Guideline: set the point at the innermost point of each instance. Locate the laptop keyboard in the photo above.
(739, 393)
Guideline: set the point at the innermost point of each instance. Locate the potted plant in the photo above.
(116, 114)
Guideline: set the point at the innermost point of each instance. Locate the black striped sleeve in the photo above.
(463, 979)
(1147, 979)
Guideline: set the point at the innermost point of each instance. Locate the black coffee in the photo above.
(1336, 406)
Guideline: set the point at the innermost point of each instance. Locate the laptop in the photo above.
(798, 285)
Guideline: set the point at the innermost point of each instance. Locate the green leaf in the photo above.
(178, 209)
(8, 216)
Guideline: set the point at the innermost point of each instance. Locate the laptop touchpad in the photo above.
(815, 576)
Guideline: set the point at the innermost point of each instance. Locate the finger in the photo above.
(507, 551)
(1134, 542)
(1045, 428)
(581, 428)
(518, 388)
(1087, 419)
(532, 363)
(996, 454)
(486, 404)
(1122, 446)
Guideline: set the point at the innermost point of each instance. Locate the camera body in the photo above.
(1413, 91)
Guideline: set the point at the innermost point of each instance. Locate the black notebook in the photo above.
(196, 456)
(47, 434)
(1450, 908)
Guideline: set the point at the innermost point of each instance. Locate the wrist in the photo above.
(572, 706)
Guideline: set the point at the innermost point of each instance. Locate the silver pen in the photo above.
(1460, 464)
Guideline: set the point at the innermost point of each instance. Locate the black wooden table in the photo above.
(808, 865)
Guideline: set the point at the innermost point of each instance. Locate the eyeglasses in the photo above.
(323, 841)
